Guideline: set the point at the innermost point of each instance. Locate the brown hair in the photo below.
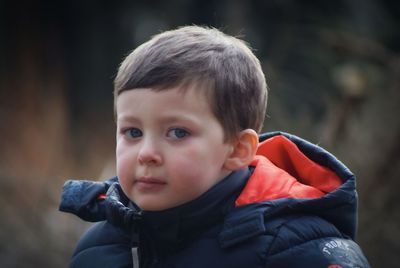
(223, 65)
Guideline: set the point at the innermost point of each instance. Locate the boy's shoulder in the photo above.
(98, 243)
(285, 229)
(293, 239)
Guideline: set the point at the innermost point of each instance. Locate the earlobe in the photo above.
(243, 151)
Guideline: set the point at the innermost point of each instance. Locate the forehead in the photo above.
(172, 100)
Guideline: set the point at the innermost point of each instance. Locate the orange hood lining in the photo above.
(283, 171)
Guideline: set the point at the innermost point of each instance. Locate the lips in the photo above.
(149, 184)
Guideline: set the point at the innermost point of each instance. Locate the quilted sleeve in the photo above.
(103, 245)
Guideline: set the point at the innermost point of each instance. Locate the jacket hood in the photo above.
(292, 175)
(282, 170)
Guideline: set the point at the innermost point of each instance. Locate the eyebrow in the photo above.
(162, 119)
(127, 118)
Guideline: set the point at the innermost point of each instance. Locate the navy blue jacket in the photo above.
(294, 206)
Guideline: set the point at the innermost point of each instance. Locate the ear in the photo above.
(244, 148)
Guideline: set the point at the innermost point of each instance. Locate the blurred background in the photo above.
(333, 69)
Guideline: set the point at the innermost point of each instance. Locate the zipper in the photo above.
(135, 258)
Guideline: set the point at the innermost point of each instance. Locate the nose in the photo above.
(149, 153)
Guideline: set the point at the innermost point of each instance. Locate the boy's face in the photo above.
(170, 147)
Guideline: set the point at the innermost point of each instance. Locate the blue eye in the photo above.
(177, 133)
(133, 132)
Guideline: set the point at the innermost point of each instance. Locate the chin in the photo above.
(151, 206)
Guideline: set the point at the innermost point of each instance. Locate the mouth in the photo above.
(149, 184)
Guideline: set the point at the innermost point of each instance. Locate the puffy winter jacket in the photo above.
(294, 206)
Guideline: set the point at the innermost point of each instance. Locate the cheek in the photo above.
(124, 165)
(190, 182)
(195, 169)
(124, 173)
(185, 166)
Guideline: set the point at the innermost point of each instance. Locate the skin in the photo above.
(170, 147)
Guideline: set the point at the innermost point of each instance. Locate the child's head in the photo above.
(222, 66)
(188, 104)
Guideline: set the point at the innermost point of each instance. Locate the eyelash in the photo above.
(128, 132)
(176, 135)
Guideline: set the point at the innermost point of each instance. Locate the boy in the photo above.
(194, 186)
